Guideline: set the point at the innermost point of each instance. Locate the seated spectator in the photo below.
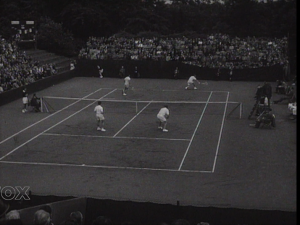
(13, 218)
(281, 87)
(293, 107)
(41, 217)
(76, 218)
(290, 96)
(1, 89)
(72, 65)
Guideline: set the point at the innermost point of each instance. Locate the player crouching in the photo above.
(162, 117)
(191, 83)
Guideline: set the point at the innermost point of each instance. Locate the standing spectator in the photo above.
(100, 69)
(24, 100)
(162, 116)
(122, 72)
(191, 82)
(126, 84)
(268, 92)
(176, 73)
(218, 74)
(136, 72)
(99, 116)
(230, 73)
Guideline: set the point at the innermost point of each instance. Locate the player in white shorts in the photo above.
(191, 82)
(100, 69)
(126, 84)
(162, 116)
(99, 116)
(24, 100)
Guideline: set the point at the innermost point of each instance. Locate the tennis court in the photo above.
(210, 156)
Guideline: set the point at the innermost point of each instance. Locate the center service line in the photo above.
(54, 125)
(132, 119)
(221, 130)
(192, 138)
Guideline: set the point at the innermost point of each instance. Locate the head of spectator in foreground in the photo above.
(13, 218)
(41, 217)
(76, 217)
(180, 222)
(102, 220)
(166, 106)
(46, 208)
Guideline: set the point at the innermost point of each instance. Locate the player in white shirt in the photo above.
(162, 116)
(24, 100)
(191, 82)
(126, 84)
(100, 69)
(99, 116)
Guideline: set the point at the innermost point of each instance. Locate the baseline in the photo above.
(103, 167)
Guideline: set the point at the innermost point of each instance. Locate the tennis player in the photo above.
(191, 82)
(24, 100)
(99, 116)
(162, 116)
(126, 84)
(100, 69)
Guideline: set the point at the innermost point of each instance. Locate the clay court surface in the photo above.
(209, 157)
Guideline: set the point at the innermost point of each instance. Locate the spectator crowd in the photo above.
(18, 69)
(211, 51)
(44, 216)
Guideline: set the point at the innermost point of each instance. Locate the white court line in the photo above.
(79, 99)
(192, 138)
(96, 136)
(53, 126)
(132, 119)
(221, 130)
(103, 167)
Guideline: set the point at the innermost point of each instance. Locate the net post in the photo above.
(241, 110)
(42, 102)
(136, 108)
